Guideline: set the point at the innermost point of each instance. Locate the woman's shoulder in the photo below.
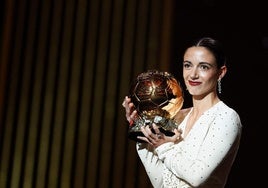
(223, 107)
(228, 112)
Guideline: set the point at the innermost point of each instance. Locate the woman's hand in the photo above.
(154, 137)
(131, 113)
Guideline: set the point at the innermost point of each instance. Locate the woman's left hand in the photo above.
(155, 137)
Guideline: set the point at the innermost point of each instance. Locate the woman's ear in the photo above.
(222, 72)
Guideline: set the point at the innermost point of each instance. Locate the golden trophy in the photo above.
(157, 97)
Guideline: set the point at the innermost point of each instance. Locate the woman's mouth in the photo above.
(192, 83)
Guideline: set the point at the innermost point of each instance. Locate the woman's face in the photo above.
(200, 71)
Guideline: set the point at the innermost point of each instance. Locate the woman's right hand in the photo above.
(131, 113)
(155, 137)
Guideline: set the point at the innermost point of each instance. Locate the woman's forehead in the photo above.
(200, 54)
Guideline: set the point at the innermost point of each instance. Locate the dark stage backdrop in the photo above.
(65, 69)
(66, 66)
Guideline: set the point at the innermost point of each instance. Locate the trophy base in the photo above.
(134, 134)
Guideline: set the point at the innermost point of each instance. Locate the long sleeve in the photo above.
(216, 133)
(151, 163)
(205, 156)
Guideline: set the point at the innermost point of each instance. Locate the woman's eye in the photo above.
(186, 65)
(204, 67)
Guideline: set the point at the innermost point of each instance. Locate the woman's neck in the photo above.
(200, 106)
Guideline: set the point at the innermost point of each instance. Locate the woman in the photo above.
(203, 148)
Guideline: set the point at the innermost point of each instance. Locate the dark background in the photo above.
(66, 66)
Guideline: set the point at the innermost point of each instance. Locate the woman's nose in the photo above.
(194, 74)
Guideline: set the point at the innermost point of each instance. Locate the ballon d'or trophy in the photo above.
(157, 97)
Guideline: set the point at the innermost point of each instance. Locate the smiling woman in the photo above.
(209, 132)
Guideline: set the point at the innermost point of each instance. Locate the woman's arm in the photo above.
(195, 158)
